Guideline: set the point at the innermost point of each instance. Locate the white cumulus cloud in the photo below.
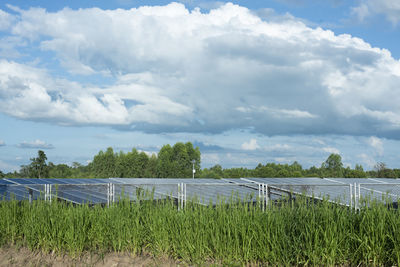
(36, 144)
(376, 144)
(388, 8)
(331, 150)
(250, 145)
(367, 160)
(6, 20)
(180, 70)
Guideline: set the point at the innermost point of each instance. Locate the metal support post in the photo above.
(110, 193)
(263, 195)
(47, 192)
(30, 192)
(181, 195)
(193, 170)
(355, 197)
(184, 199)
(113, 192)
(351, 195)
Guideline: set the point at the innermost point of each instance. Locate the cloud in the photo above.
(361, 12)
(206, 147)
(278, 113)
(2, 143)
(250, 145)
(331, 150)
(281, 160)
(376, 144)
(29, 93)
(299, 3)
(210, 159)
(388, 8)
(367, 160)
(8, 167)
(180, 70)
(278, 148)
(6, 20)
(37, 144)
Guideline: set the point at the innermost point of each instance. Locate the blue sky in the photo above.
(247, 81)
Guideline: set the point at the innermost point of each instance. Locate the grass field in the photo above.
(288, 234)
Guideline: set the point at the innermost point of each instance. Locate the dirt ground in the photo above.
(13, 256)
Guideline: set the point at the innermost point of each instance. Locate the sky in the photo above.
(247, 82)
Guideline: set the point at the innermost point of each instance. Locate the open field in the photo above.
(288, 234)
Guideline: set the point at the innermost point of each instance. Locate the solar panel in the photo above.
(347, 180)
(312, 187)
(149, 181)
(204, 190)
(24, 181)
(4, 182)
(384, 180)
(287, 181)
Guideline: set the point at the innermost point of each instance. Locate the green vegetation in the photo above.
(176, 162)
(300, 233)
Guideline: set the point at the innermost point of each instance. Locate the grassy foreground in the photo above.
(291, 234)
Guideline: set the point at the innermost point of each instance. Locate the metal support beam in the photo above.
(351, 195)
(263, 195)
(47, 192)
(356, 197)
(30, 194)
(110, 193)
(181, 195)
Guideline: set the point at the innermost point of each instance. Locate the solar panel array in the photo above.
(205, 191)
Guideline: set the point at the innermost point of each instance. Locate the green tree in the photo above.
(216, 171)
(142, 162)
(265, 171)
(181, 161)
(151, 169)
(333, 166)
(81, 171)
(194, 155)
(38, 167)
(132, 169)
(59, 170)
(358, 172)
(165, 168)
(104, 164)
(177, 161)
(383, 171)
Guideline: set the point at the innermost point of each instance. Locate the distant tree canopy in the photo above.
(37, 168)
(383, 171)
(177, 162)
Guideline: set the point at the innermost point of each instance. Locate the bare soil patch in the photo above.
(13, 256)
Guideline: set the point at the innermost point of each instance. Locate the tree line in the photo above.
(177, 161)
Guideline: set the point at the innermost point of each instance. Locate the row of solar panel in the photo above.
(97, 191)
(310, 180)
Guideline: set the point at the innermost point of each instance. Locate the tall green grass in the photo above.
(300, 233)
